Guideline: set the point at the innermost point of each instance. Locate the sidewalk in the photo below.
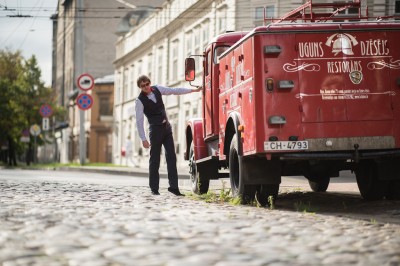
(183, 172)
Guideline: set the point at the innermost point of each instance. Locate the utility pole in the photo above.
(79, 48)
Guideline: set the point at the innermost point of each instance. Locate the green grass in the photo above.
(224, 196)
(303, 207)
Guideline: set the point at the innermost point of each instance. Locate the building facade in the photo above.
(158, 47)
(84, 37)
(101, 120)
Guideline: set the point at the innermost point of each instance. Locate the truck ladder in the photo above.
(306, 12)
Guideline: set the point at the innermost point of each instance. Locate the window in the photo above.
(132, 86)
(270, 11)
(140, 68)
(174, 55)
(149, 65)
(197, 49)
(160, 63)
(209, 60)
(348, 12)
(205, 33)
(397, 7)
(188, 44)
(221, 20)
(218, 51)
(105, 108)
(126, 84)
(259, 13)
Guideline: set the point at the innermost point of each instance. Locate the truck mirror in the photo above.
(190, 68)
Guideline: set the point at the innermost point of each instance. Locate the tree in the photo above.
(21, 95)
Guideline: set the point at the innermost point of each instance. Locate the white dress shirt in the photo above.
(139, 108)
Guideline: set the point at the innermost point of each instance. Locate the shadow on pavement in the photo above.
(340, 204)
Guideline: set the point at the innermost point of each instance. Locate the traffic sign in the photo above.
(45, 110)
(45, 123)
(85, 82)
(84, 101)
(35, 130)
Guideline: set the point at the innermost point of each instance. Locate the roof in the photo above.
(109, 79)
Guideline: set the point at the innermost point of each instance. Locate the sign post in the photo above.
(84, 101)
(35, 131)
(45, 111)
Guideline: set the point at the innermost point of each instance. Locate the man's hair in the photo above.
(142, 78)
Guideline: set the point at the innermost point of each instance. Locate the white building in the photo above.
(158, 48)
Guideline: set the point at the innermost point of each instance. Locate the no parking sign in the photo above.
(84, 101)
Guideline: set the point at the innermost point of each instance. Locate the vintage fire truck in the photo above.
(311, 94)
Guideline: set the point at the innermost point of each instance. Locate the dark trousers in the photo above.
(162, 136)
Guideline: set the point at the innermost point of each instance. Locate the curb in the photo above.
(139, 172)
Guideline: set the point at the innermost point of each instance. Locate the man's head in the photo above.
(143, 83)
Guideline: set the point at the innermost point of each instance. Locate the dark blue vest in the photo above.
(155, 112)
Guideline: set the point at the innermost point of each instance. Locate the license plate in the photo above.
(285, 145)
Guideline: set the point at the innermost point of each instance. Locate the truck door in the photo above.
(368, 93)
(208, 97)
(318, 88)
(340, 77)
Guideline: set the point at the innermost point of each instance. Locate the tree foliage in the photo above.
(21, 94)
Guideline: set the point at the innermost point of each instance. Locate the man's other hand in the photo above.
(146, 144)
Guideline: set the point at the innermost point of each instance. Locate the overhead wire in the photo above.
(31, 27)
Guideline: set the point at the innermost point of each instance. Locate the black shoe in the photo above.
(155, 192)
(175, 191)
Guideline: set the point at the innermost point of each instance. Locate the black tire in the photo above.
(237, 172)
(371, 188)
(319, 184)
(200, 184)
(393, 190)
(267, 194)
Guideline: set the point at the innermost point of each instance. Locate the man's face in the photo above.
(145, 86)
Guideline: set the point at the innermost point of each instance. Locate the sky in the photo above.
(31, 35)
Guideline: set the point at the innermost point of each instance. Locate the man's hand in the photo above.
(146, 144)
(199, 88)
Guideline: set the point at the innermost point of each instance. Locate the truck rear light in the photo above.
(277, 120)
(269, 84)
(286, 84)
(293, 138)
(272, 49)
(273, 138)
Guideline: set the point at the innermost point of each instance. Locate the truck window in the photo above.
(218, 51)
(209, 60)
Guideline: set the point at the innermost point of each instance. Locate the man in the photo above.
(150, 104)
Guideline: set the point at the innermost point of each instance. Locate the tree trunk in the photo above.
(12, 159)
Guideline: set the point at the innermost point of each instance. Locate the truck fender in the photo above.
(230, 130)
(194, 133)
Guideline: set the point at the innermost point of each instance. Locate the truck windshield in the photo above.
(218, 51)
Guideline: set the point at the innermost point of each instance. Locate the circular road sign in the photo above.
(85, 82)
(45, 110)
(84, 101)
(35, 130)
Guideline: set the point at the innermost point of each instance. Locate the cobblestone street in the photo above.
(66, 223)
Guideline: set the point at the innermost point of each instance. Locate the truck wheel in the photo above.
(319, 184)
(237, 173)
(393, 190)
(371, 188)
(267, 194)
(200, 184)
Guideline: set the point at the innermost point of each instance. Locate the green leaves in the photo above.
(21, 94)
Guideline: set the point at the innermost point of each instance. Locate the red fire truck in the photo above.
(310, 98)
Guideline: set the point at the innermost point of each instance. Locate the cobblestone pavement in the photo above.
(50, 223)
